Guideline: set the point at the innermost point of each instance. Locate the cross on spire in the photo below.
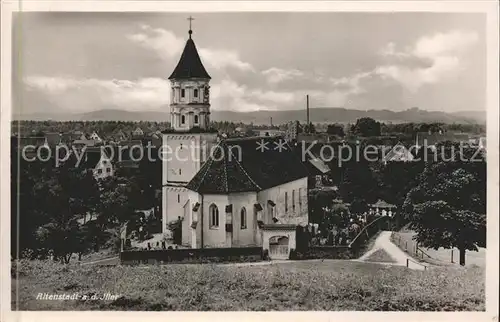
(190, 21)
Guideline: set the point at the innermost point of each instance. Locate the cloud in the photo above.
(414, 78)
(229, 95)
(277, 75)
(221, 59)
(90, 93)
(444, 44)
(352, 84)
(237, 86)
(164, 42)
(439, 57)
(169, 46)
(149, 94)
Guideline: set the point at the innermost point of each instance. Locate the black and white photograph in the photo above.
(249, 160)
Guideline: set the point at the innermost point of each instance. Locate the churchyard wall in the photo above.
(192, 255)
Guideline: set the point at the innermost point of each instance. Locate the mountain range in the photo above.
(317, 115)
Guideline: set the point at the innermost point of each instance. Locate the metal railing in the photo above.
(365, 229)
(412, 248)
(408, 260)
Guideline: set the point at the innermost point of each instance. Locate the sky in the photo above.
(80, 62)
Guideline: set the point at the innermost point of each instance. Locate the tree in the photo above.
(116, 204)
(366, 127)
(335, 129)
(396, 180)
(358, 185)
(448, 206)
(318, 200)
(310, 128)
(61, 210)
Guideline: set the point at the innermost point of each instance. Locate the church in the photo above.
(227, 192)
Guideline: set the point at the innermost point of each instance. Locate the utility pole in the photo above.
(307, 113)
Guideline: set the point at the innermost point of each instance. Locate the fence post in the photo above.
(407, 262)
(452, 255)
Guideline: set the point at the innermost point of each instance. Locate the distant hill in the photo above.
(317, 115)
(480, 117)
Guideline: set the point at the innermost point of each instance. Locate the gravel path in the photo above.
(384, 242)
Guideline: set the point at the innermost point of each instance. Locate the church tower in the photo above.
(190, 90)
(187, 145)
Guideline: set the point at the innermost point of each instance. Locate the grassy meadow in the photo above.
(309, 285)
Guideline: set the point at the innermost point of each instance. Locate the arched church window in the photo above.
(286, 201)
(183, 119)
(214, 216)
(178, 198)
(183, 92)
(243, 218)
(196, 119)
(195, 92)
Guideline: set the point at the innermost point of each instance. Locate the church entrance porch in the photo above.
(278, 247)
(279, 240)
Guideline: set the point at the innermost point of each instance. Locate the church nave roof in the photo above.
(238, 165)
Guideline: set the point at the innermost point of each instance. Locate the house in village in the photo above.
(137, 132)
(240, 130)
(69, 137)
(79, 145)
(398, 153)
(120, 136)
(382, 208)
(318, 171)
(269, 132)
(291, 131)
(116, 138)
(154, 139)
(236, 196)
(482, 143)
(98, 160)
(95, 137)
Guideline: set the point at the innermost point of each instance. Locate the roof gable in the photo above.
(399, 153)
(91, 158)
